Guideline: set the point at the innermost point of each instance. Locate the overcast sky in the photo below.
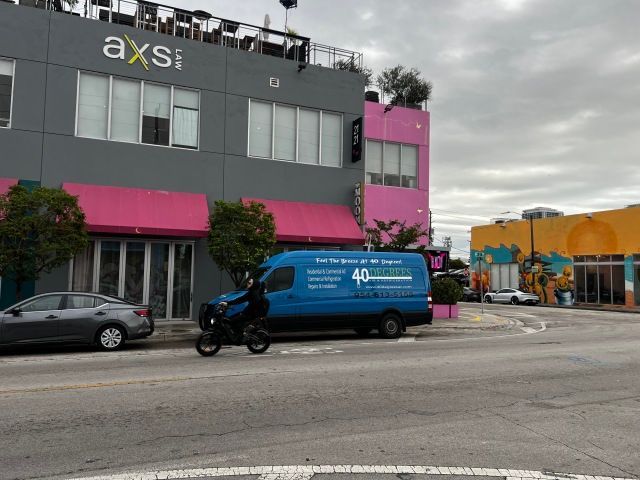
(535, 102)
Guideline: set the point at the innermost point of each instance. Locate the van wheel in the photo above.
(390, 326)
(362, 331)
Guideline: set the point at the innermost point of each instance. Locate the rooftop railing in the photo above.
(201, 26)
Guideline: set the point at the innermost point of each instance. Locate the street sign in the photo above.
(479, 255)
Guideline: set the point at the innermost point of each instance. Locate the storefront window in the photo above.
(157, 273)
(134, 272)
(182, 280)
(82, 279)
(579, 279)
(159, 279)
(591, 287)
(600, 279)
(109, 268)
(617, 284)
(604, 279)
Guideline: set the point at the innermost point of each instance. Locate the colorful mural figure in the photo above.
(553, 282)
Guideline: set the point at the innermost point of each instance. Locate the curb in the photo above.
(595, 308)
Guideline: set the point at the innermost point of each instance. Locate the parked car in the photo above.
(512, 296)
(75, 317)
(470, 294)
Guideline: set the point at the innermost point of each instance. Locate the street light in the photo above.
(533, 269)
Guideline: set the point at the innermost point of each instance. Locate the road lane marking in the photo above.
(407, 337)
(306, 472)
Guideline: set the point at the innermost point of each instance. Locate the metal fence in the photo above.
(201, 26)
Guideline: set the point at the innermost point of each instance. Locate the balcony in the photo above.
(201, 26)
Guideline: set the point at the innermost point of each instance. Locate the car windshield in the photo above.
(258, 273)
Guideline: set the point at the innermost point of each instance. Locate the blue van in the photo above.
(328, 290)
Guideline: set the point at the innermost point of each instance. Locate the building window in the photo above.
(6, 91)
(295, 134)
(154, 272)
(127, 110)
(156, 114)
(186, 118)
(391, 164)
(93, 106)
(599, 279)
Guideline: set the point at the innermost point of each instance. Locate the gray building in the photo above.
(149, 128)
(541, 212)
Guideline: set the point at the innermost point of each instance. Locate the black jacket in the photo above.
(257, 303)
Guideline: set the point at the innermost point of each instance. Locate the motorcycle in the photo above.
(218, 329)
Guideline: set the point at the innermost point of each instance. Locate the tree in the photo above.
(240, 237)
(394, 235)
(457, 264)
(404, 86)
(40, 230)
(350, 66)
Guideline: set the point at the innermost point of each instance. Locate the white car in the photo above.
(512, 296)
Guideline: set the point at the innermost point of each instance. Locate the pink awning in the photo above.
(137, 211)
(313, 222)
(6, 183)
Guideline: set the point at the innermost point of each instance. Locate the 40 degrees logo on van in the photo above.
(160, 56)
(381, 273)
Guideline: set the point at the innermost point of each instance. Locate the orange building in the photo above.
(591, 258)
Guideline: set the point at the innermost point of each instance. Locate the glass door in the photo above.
(182, 268)
(134, 272)
(109, 268)
(159, 279)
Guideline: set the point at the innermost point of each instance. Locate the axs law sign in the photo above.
(160, 56)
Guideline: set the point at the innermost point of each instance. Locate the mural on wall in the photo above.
(553, 282)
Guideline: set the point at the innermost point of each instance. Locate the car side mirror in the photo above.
(15, 312)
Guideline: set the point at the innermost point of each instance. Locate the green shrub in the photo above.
(446, 291)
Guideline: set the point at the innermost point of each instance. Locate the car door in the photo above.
(281, 293)
(503, 295)
(37, 320)
(80, 317)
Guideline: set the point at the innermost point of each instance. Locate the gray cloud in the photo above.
(535, 101)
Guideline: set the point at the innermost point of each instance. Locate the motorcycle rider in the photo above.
(257, 304)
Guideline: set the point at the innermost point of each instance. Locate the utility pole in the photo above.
(533, 267)
(480, 256)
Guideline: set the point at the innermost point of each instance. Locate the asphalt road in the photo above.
(558, 392)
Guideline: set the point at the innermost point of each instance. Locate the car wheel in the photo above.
(390, 326)
(487, 299)
(514, 300)
(110, 338)
(465, 298)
